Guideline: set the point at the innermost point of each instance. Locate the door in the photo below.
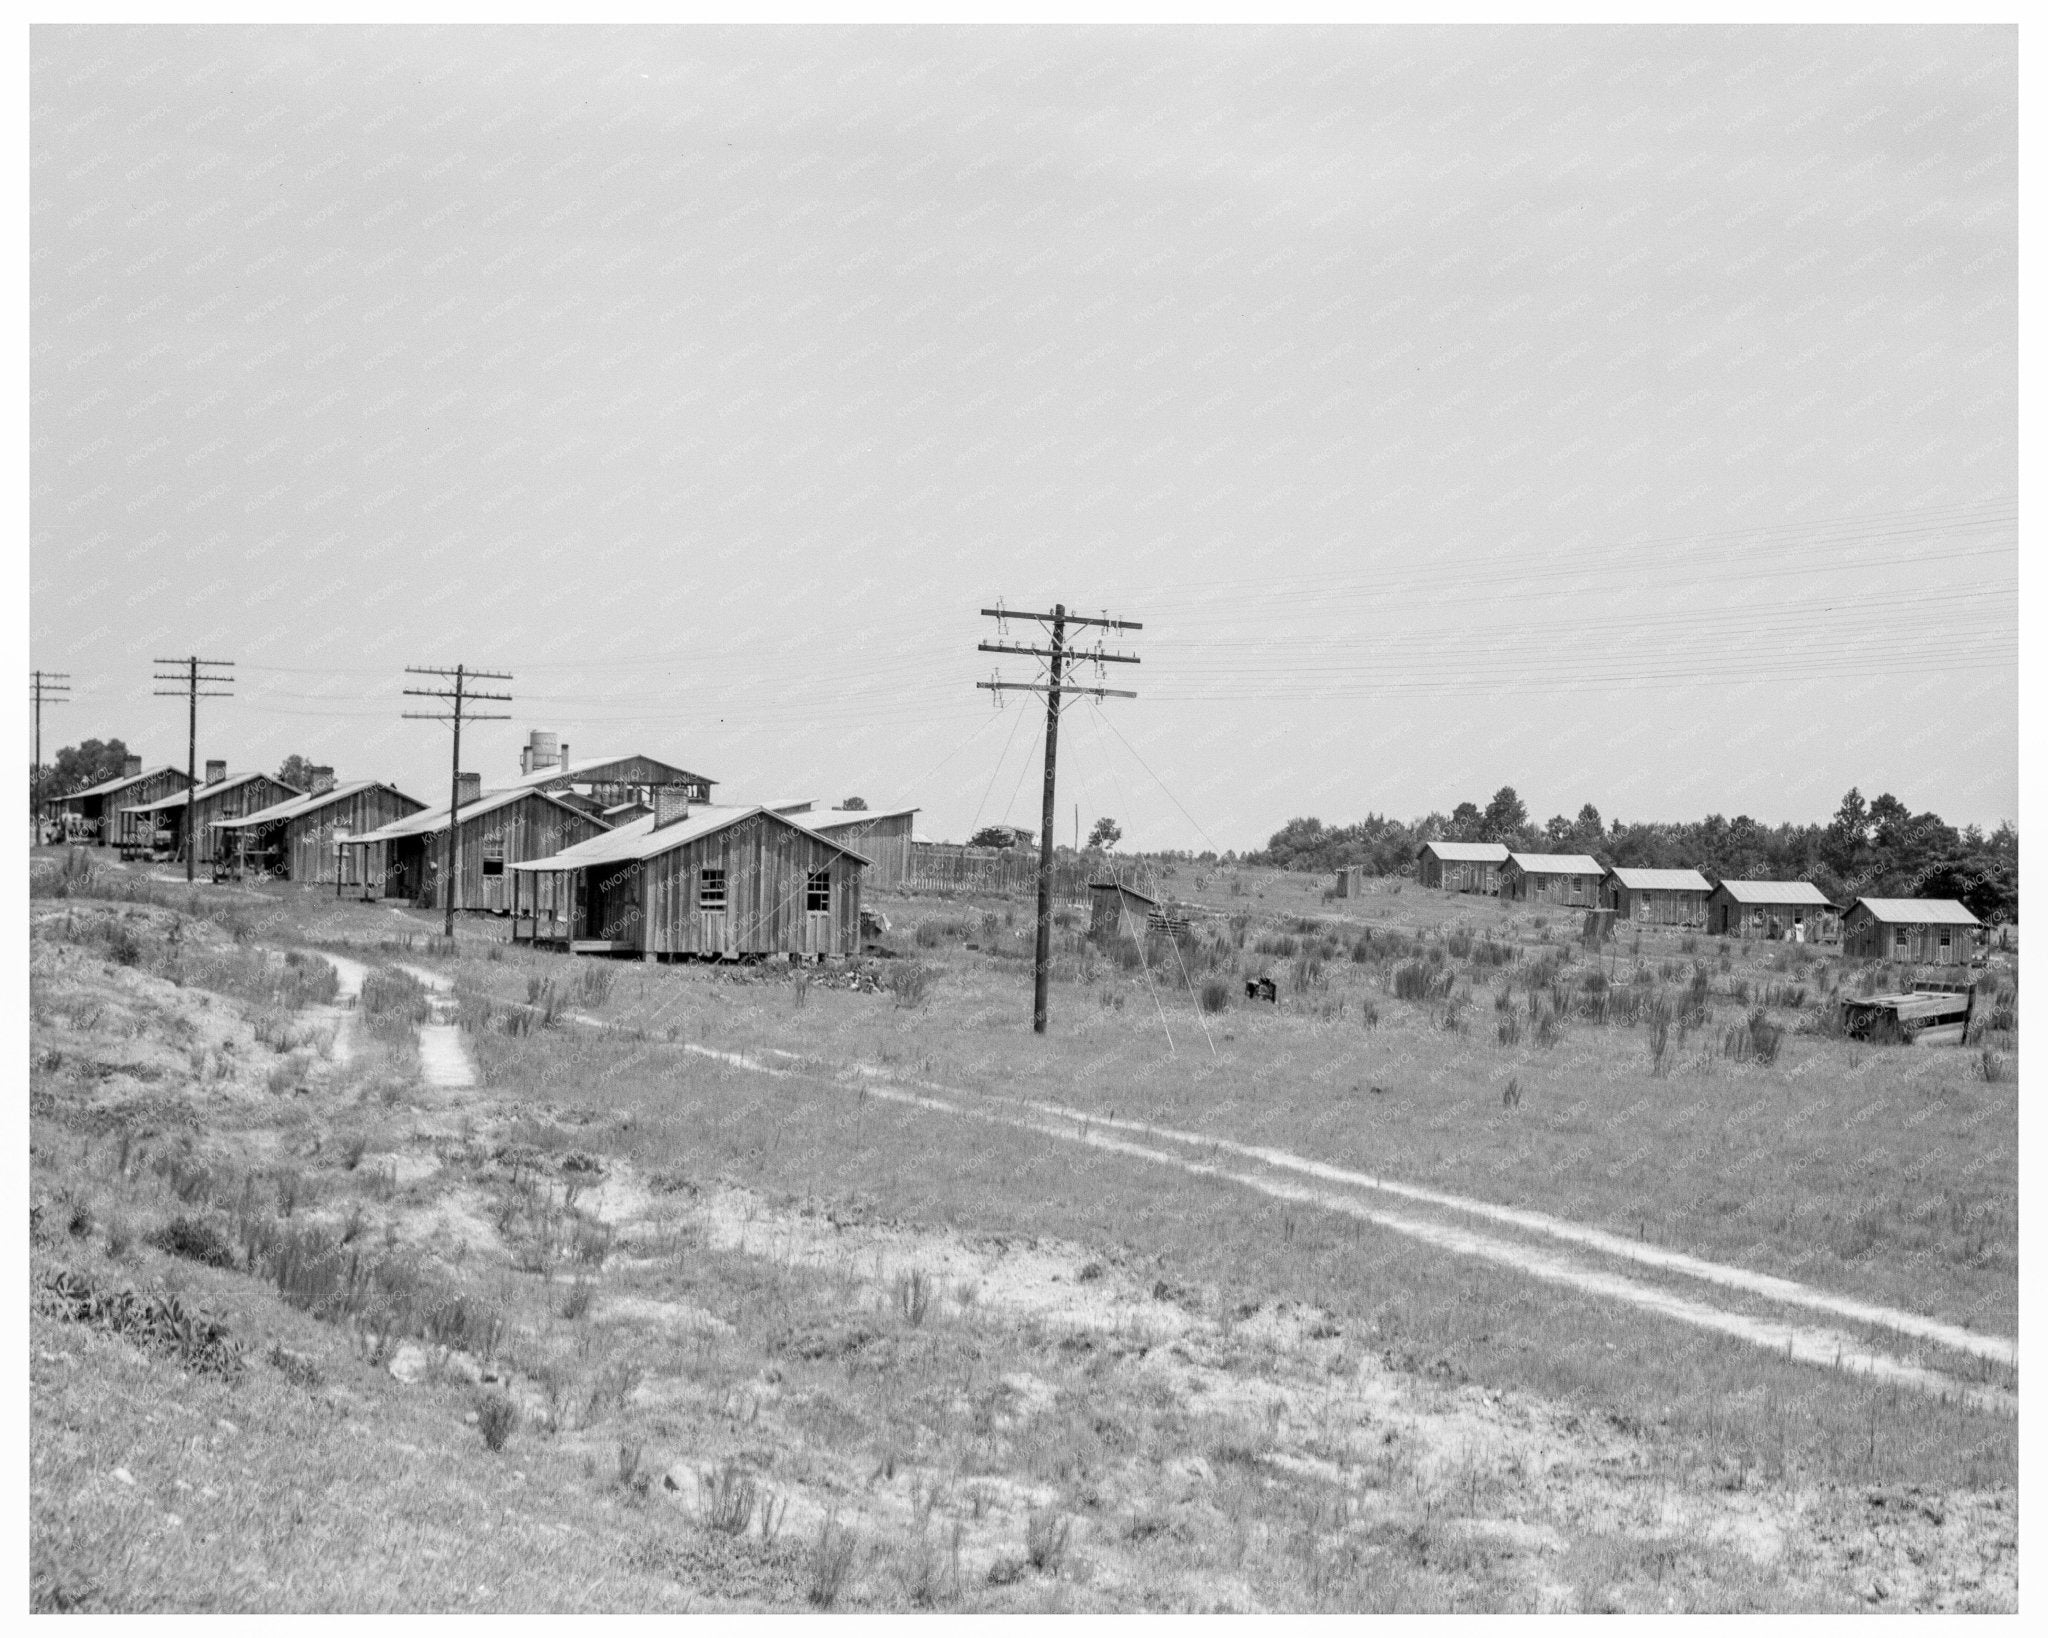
(818, 914)
(711, 911)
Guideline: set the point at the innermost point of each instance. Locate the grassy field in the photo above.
(976, 1366)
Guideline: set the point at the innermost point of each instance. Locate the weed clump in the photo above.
(156, 1320)
(496, 1418)
(828, 1562)
(1215, 995)
(197, 1240)
(1045, 1539)
(909, 983)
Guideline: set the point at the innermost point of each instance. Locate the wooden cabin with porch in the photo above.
(1797, 912)
(1658, 898)
(1921, 932)
(296, 840)
(1553, 878)
(403, 859)
(1460, 867)
(89, 815)
(161, 826)
(721, 884)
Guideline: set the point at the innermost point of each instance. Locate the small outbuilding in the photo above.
(1552, 878)
(171, 821)
(1117, 911)
(403, 859)
(716, 883)
(1658, 898)
(1797, 912)
(90, 813)
(1461, 867)
(881, 836)
(296, 840)
(1924, 932)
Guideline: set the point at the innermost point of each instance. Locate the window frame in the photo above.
(711, 878)
(818, 884)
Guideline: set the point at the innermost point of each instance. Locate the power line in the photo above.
(220, 690)
(458, 699)
(1058, 664)
(44, 688)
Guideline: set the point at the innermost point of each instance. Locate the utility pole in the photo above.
(1060, 660)
(458, 697)
(193, 693)
(51, 688)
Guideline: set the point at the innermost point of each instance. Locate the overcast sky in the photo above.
(1624, 415)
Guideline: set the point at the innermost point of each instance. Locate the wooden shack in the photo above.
(1929, 1014)
(1922, 932)
(403, 858)
(168, 823)
(608, 781)
(296, 840)
(88, 815)
(1658, 898)
(708, 884)
(881, 837)
(1119, 911)
(1460, 867)
(1797, 912)
(1553, 878)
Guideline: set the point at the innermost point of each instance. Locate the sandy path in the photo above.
(1810, 1344)
(349, 976)
(444, 1060)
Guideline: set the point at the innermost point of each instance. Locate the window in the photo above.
(818, 890)
(711, 890)
(1899, 941)
(494, 861)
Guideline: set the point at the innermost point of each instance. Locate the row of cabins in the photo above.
(614, 855)
(1934, 932)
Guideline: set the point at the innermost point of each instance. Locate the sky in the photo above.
(1624, 415)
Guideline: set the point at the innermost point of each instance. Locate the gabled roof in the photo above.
(840, 818)
(641, 840)
(201, 793)
(1124, 888)
(107, 787)
(1940, 912)
(1558, 864)
(293, 807)
(1662, 881)
(1467, 852)
(432, 820)
(589, 770)
(1776, 893)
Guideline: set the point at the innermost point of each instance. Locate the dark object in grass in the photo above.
(827, 1563)
(196, 1240)
(1215, 995)
(1511, 1095)
(1045, 1539)
(496, 1417)
(1261, 989)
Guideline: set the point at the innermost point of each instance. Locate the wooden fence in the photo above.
(992, 870)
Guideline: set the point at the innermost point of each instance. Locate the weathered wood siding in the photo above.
(1730, 917)
(1457, 875)
(1548, 888)
(106, 809)
(531, 828)
(210, 803)
(1661, 906)
(884, 841)
(767, 867)
(308, 851)
(1923, 944)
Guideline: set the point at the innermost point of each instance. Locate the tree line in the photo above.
(93, 761)
(1877, 848)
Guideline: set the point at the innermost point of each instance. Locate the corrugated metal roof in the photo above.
(1938, 912)
(199, 794)
(293, 806)
(1776, 893)
(583, 767)
(1662, 881)
(107, 787)
(426, 823)
(640, 839)
(1558, 864)
(1469, 852)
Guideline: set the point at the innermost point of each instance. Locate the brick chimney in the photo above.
(216, 771)
(322, 782)
(671, 802)
(131, 766)
(468, 787)
(565, 756)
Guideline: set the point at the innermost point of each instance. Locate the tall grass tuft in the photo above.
(496, 1418)
(828, 1562)
(1215, 994)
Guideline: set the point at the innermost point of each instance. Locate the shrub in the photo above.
(913, 1296)
(197, 1240)
(1045, 1539)
(909, 981)
(1548, 1030)
(496, 1417)
(725, 1498)
(1510, 1030)
(828, 1561)
(156, 1320)
(1993, 1067)
(1215, 995)
(1756, 1039)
